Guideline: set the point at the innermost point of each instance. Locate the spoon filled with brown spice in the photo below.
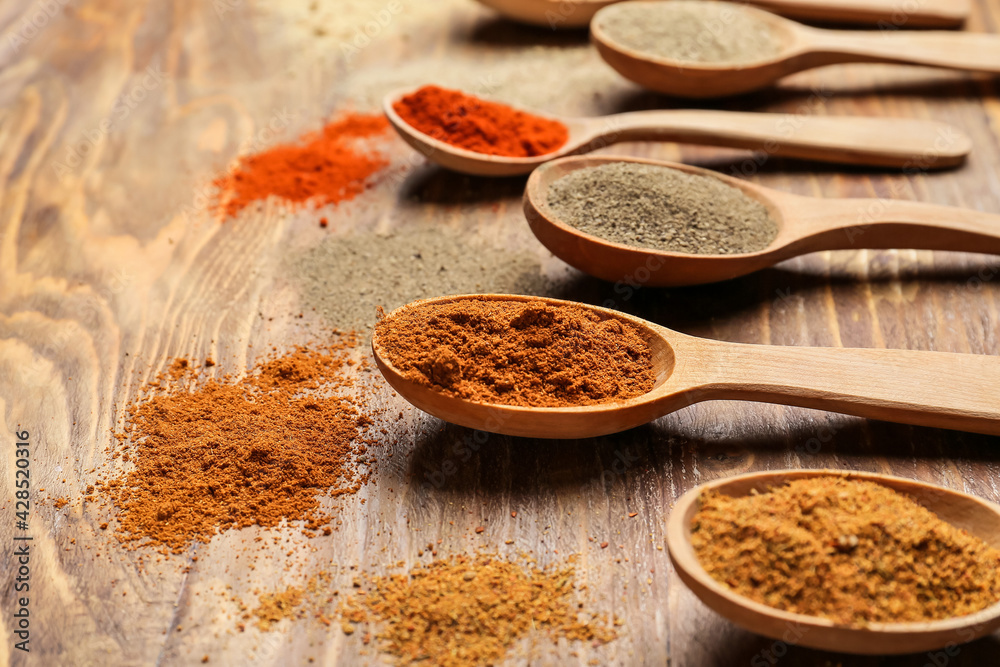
(547, 368)
(472, 135)
(663, 224)
(697, 49)
(855, 562)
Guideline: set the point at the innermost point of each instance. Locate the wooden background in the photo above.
(111, 264)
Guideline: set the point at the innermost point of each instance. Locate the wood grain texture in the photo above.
(114, 117)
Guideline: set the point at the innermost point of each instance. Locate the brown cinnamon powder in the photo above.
(518, 352)
(215, 455)
(470, 610)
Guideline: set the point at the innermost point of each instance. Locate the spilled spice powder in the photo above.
(274, 607)
(478, 125)
(221, 454)
(518, 352)
(324, 167)
(293, 602)
(469, 610)
(850, 550)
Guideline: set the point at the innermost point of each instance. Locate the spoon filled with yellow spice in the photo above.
(547, 368)
(658, 224)
(850, 562)
(697, 49)
(472, 135)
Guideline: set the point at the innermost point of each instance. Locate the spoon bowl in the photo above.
(975, 515)
(938, 389)
(800, 48)
(884, 142)
(551, 14)
(556, 14)
(805, 224)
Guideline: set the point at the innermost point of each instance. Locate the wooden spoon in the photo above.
(802, 48)
(939, 389)
(975, 515)
(805, 224)
(556, 14)
(882, 142)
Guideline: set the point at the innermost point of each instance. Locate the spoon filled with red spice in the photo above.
(547, 368)
(867, 564)
(666, 224)
(476, 136)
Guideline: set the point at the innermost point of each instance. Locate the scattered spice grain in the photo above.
(652, 206)
(324, 167)
(273, 607)
(478, 125)
(692, 31)
(469, 610)
(518, 352)
(212, 455)
(850, 550)
(345, 277)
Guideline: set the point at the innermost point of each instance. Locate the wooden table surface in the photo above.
(114, 117)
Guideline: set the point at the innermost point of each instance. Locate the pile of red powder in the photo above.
(324, 167)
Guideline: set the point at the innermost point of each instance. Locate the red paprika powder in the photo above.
(325, 167)
(477, 125)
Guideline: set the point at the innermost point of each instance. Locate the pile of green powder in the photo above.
(649, 206)
(691, 31)
(345, 278)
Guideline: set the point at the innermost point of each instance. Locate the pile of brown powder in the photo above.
(470, 610)
(214, 455)
(651, 206)
(691, 31)
(518, 352)
(849, 550)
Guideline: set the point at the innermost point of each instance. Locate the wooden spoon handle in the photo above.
(974, 52)
(886, 142)
(893, 13)
(839, 224)
(938, 389)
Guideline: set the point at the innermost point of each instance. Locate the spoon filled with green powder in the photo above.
(664, 224)
(693, 48)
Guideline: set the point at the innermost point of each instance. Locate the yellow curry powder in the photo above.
(470, 610)
(853, 551)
